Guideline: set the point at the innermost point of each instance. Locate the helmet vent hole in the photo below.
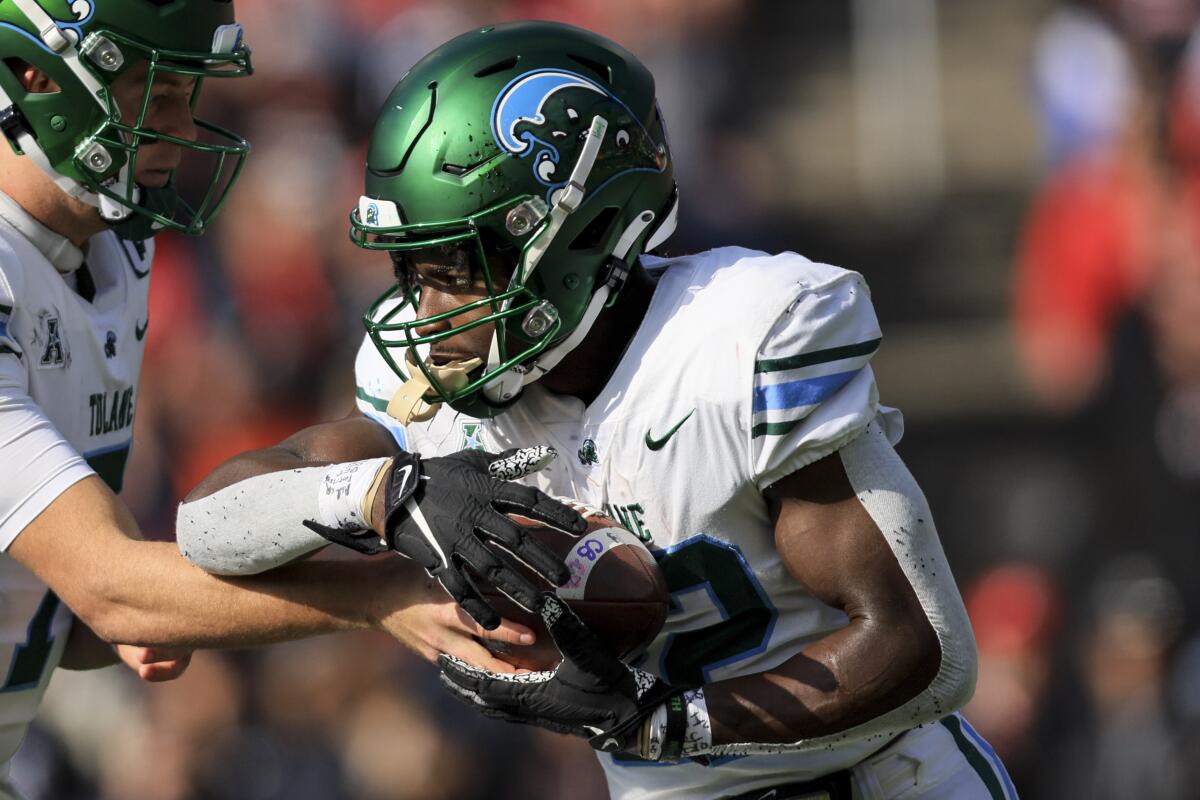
(596, 232)
(454, 169)
(499, 66)
(601, 70)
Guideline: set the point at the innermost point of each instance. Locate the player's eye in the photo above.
(446, 267)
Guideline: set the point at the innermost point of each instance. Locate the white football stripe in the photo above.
(586, 554)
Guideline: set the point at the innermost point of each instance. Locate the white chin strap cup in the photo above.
(408, 404)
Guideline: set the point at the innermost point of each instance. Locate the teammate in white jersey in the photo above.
(721, 405)
(96, 104)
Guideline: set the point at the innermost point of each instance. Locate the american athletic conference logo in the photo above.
(526, 122)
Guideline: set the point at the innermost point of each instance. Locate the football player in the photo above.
(721, 405)
(96, 100)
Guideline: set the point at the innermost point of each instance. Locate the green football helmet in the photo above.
(535, 142)
(78, 135)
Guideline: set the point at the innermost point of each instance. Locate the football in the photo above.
(616, 588)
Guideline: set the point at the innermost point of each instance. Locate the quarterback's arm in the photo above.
(126, 590)
(854, 528)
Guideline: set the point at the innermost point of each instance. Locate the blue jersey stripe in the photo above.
(971, 752)
(997, 764)
(807, 392)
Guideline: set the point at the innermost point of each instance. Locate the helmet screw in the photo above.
(660, 157)
(571, 281)
(103, 53)
(521, 218)
(97, 158)
(539, 319)
(58, 122)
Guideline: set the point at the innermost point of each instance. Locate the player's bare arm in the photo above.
(886, 655)
(353, 438)
(855, 530)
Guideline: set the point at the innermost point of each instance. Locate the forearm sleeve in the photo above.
(891, 496)
(257, 524)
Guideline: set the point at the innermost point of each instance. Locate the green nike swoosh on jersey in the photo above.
(658, 444)
(139, 330)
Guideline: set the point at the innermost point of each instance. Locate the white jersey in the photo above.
(746, 368)
(68, 377)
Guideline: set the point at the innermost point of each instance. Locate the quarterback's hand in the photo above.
(155, 664)
(443, 512)
(590, 694)
(418, 612)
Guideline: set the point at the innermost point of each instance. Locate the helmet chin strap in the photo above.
(618, 272)
(504, 387)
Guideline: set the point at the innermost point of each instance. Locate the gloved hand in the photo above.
(590, 694)
(443, 512)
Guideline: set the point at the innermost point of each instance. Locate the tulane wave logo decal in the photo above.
(80, 11)
(541, 115)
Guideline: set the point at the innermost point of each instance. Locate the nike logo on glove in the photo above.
(658, 444)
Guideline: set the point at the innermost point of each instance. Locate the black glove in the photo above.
(590, 694)
(441, 511)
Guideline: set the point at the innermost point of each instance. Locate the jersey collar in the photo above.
(58, 250)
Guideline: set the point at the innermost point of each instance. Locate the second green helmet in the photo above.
(537, 141)
(79, 136)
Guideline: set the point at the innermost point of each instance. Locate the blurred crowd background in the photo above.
(1018, 181)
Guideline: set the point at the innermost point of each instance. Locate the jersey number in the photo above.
(29, 659)
(702, 563)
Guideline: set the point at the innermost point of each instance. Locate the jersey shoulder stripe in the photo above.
(799, 394)
(795, 388)
(817, 357)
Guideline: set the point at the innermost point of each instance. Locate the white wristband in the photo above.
(655, 732)
(697, 736)
(342, 491)
(697, 740)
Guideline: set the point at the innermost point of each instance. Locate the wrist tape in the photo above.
(679, 728)
(345, 491)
